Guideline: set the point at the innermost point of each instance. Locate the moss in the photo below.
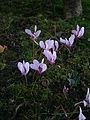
(41, 102)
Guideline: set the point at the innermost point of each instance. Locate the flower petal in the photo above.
(35, 65)
(81, 116)
(81, 32)
(26, 65)
(87, 95)
(48, 54)
(37, 33)
(42, 45)
(54, 55)
(74, 32)
(62, 40)
(78, 28)
(35, 28)
(56, 45)
(49, 44)
(28, 32)
(67, 43)
(42, 60)
(20, 67)
(71, 39)
(43, 66)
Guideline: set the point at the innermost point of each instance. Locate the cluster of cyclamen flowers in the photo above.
(50, 48)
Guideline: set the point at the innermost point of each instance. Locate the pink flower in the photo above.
(40, 67)
(78, 32)
(65, 89)
(35, 35)
(23, 67)
(69, 42)
(51, 57)
(49, 44)
(81, 116)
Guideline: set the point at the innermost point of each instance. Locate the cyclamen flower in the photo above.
(23, 67)
(51, 57)
(49, 44)
(87, 100)
(78, 32)
(65, 90)
(35, 35)
(69, 42)
(81, 116)
(40, 67)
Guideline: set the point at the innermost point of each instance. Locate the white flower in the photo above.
(69, 42)
(23, 67)
(40, 67)
(78, 32)
(51, 57)
(49, 44)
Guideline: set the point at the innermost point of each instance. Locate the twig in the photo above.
(20, 105)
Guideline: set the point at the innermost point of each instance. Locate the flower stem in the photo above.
(40, 54)
(72, 113)
(26, 79)
(33, 51)
(75, 45)
(34, 75)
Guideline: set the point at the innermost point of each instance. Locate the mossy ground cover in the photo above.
(42, 98)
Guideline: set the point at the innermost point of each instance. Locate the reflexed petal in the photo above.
(67, 43)
(35, 62)
(74, 32)
(85, 103)
(35, 65)
(42, 45)
(37, 33)
(87, 95)
(26, 65)
(49, 44)
(23, 62)
(81, 32)
(35, 28)
(62, 40)
(78, 28)
(54, 55)
(28, 32)
(48, 54)
(20, 67)
(43, 66)
(89, 101)
(42, 60)
(56, 45)
(71, 39)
